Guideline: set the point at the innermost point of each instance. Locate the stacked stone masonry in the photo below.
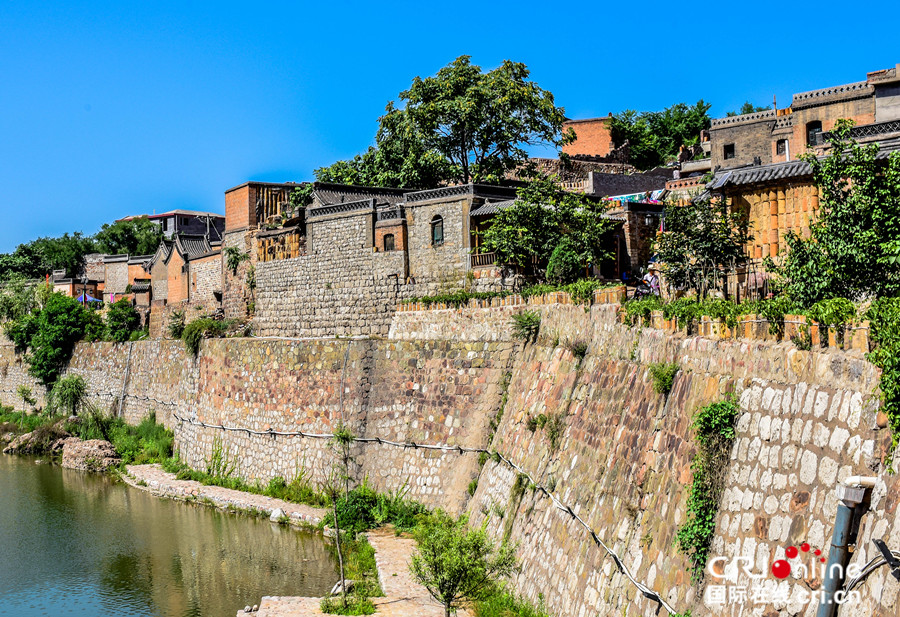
(622, 460)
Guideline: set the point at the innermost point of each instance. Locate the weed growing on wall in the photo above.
(714, 427)
(199, 329)
(526, 325)
(663, 376)
(884, 319)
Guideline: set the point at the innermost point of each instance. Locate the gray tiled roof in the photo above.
(192, 246)
(492, 207)
(327, 193)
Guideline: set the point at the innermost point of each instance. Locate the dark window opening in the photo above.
(813, 130)
(389, 242)
(437, 231)
(781, 147)
(729, 151)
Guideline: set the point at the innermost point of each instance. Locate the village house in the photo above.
(191, 222)
(779, 135)
(342, 264)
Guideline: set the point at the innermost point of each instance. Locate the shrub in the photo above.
(58, 326)
(121, 321)
(176, 324)
(834, 313)
(526, 324)
(195, 331)
(663, 376)
(68, 394)
(565, 265)
(21, 330)
(638, 311)
(456, 563)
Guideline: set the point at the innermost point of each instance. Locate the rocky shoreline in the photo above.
(73, 453)
(153, 479)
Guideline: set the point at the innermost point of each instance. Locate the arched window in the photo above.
(813, 129)
(437, 230)
(388, 242)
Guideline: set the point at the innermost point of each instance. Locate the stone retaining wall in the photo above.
(621, 458)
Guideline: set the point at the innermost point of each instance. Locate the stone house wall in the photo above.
(206, 278)
(116, 277)
(237, 297)
(159, 281)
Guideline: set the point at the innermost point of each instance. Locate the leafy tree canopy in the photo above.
(456, 563)
(748, 108)
(545, 217)
(853, 250)
(702, 239)
(35, 259)
(53, 331)
(39, 257)
(461, 125)
(137, 236)
(654, 137)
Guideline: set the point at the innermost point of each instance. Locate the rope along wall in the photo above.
(646, 591)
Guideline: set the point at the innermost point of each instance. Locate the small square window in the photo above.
(781, 147)
(729, 151)
(389, 242)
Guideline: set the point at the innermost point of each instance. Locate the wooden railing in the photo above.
(482, 260)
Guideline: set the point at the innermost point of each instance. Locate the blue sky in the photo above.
(110, 109)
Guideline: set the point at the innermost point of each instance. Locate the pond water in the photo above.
(80, 544)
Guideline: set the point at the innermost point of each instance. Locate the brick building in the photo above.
(592, 137)
(779, 135)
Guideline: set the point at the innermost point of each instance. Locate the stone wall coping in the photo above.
(854, 335)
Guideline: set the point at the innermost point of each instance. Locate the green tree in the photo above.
(541, 218)
(654, 137)
(68, 394)
(853, 249)
(398, 159)
(461, 125)
(748, 108)
(121, 320)
(57, 327)
(18, 297)
(703, 239)
(39, 257)
(456, 563)
(137, 236)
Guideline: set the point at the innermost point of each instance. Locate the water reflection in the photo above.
(78, 544)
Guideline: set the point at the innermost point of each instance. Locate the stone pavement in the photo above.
(152, 478)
